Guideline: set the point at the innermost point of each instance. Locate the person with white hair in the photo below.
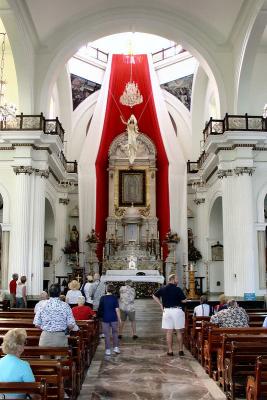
(86, 290)
(42, 302)
(12, 368)
(81, 311)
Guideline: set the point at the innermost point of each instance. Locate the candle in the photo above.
(158, 235)
(103, 252)
(161, 252)
(191, 267)
(174, 256)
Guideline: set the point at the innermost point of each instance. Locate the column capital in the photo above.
(43, 173)
(244, 170)
(23, 169)
(63, 201)
(199, 201)
(224, 173)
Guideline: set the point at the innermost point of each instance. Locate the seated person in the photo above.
(233, 317)
(12, 368)
(73, 293)
(81, 311)
(223, 303)
(203, 310)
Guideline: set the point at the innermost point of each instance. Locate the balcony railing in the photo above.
(70, 166)
(194, 166)
(234, 123)
(24, 122)
(167, 53)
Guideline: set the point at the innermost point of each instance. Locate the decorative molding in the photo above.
(145, 212)
(224, 173)
(64, 201)
(43, 173)
(244, 170)
(22, 169)
(119, 211)
(199, 201)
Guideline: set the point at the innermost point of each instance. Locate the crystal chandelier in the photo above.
(7, 111)
(131, 95)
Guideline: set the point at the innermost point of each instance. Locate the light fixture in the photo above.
(7, 111)
(131, 95)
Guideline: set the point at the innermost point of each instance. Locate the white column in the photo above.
(201, 233)
(61, 235)
(238, 232)
(20, 233)
(4, 258)
(262, 259)
(37, 259)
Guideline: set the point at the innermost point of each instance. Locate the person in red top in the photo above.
(13, 290)
(81, 311)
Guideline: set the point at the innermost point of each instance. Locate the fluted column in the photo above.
(201, 232)
(262, 259)
(4, 258)
(20, 234)
(238, 231)
(36, 266)
(61, 235)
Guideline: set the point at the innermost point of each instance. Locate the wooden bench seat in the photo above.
(51, 370)
(240, 364)
(224, 351)
(36, 388)
(257, 385)
(214, 342)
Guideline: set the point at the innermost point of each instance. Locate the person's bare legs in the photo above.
(169, 339)
(133, 325)
(180, 334)
(121, 327)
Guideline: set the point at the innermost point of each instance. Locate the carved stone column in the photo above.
(61, 234)
(5, 257)
(20, 234)
(238, 231)
(37, 264)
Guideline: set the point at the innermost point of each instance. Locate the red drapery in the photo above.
(113, 126)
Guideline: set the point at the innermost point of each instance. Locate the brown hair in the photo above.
(23, 279)
(110, 288)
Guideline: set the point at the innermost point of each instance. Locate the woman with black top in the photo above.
(109, 313)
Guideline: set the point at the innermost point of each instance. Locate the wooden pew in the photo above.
(241, 364)
(214, 342)
(257, 385)
(36, 388)
(194, 339)
(65, 355)
(51, 370)
(224, 351)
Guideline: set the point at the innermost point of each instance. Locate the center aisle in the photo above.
(143, 371)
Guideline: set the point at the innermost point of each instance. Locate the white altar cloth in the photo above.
(127, 272)
(134, 278)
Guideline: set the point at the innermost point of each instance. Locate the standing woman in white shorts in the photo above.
(173, 316)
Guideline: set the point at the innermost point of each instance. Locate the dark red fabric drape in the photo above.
(113, 126)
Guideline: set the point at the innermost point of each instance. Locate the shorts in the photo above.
(173, 318)
(129, 314)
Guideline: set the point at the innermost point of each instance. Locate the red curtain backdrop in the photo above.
(113, 126)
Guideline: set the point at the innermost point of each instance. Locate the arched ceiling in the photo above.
(48, 16)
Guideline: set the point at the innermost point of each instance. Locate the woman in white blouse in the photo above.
(73, 294)
(203, 310)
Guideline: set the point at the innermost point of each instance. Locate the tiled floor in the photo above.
(144, 371)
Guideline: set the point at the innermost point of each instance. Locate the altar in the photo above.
(133, 275)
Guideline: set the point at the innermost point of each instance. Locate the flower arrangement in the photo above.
(172, 237)
(93, 237)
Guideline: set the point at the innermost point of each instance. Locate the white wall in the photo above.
(168, 73)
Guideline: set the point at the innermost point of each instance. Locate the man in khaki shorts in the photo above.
(127, 309)
(173, 316)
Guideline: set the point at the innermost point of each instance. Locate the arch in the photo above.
(214, 197)
(64, 43)
(50, 199)
(260, 204)
(247, 58)
(6, 207)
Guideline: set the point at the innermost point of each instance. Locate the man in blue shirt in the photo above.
(173, 316)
